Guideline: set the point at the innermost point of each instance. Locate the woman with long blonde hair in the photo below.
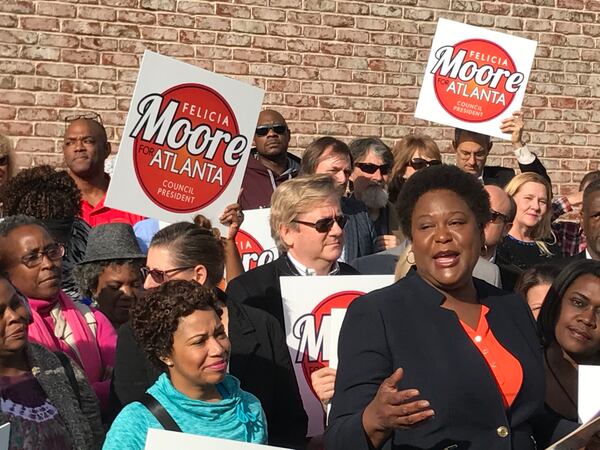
(530, 241)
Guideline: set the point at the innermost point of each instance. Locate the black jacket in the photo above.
(260, 287)
(259, 359)
(360, 237)
(500, 176)
(404, 325)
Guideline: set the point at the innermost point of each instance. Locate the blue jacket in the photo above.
(238, 416)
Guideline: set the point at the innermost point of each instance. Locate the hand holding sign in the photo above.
(514, 126)
(232, 217)
(323, 383)
(392, 408)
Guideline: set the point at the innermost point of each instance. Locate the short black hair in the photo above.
(591, 188)
(11, 222)
(589, 178)
(42, 192)
(551, 307)
(155, 317)
(442, 177)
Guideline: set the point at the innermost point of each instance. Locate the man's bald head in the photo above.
(272, 135)
(503, 213)
(500, 201)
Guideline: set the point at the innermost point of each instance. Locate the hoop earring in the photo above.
(412, 263)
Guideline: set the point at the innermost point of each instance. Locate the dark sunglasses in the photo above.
(372, 168)
(325, 225)
(160, 276)
(4, 160)
(420, 163)
(263, 130)
(496, 215)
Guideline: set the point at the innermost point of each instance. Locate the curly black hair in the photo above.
(41, 192)
(442, 177)
(155, 317)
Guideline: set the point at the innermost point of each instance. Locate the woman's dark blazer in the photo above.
(403, 325)
(259, 359)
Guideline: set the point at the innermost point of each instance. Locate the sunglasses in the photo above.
(496, 215)
(160, 276)
(325, 225)
(54, 252)
(87, 116)
(263, 130)
(420, 163)
(4, 160)
(372, 168)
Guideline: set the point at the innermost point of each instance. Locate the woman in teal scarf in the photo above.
(179, 326)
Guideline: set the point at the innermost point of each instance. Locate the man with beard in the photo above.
(269, 164)
(373, 161)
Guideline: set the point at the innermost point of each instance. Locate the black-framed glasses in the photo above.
(53, 252)
(497, 215)
(160, 276)
(4, 160)
(278, 128)
(87, 116)
(420, 163)
(325, 225)
(372, 168)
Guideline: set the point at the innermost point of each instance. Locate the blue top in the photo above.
(238, 416)
(144, 232)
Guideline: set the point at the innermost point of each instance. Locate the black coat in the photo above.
(404, 325)
(360, 238)
(260, 287)
(259, 359)
(500, 176)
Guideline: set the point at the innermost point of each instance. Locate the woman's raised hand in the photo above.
(392, 408)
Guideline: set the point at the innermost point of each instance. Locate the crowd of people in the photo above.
(113, 324)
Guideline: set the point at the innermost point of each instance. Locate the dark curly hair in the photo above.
(442, 177)
(156, 316)
(41, 192)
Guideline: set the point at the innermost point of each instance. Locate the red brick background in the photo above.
(334, 67)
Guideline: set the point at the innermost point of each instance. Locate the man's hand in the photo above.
(323, 382)
(514, 126)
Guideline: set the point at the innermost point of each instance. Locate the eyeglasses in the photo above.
(54, 252)
(372, 168)
(160, 276)
(325, 225)
(420, 163)
(4, 160)
(278, 128)
(87, 116)
(496, 215)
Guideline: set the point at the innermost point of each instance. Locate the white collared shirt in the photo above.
(306, 271)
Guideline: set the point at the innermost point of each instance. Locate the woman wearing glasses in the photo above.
(44, 395)
(413, 152)
(33, 262)
(259, 354)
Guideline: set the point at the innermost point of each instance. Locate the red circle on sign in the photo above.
(175, 179)
(337, 300)
(467, 100)
(246, 244)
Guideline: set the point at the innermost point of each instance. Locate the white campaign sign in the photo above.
(254, 241)
(474, 78)
(167, 440)
(307, 306)
(588, 403)
(185, 144)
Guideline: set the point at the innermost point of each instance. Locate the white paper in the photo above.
(4, 436)
(307, 305)
(579, 438)
(178, 111)
(463, 106)
(168, 440)
(254, 241)
(588, 403)
(337, 318)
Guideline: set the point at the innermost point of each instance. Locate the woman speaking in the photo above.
(440, 360)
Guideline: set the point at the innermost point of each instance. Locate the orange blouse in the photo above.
(505, 367)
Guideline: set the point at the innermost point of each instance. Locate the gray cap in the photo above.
(112, 241)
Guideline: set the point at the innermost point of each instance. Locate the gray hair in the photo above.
(361, 147)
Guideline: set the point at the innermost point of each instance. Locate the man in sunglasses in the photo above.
(269, 164)
(472, 150)
(85, 148)
(373, 161)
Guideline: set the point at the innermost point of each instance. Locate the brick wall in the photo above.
(334, 67)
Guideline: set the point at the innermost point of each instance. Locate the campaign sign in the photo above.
(474, 78)
(307, 306)
(161, 439)
(254, 241)
(186, 142)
